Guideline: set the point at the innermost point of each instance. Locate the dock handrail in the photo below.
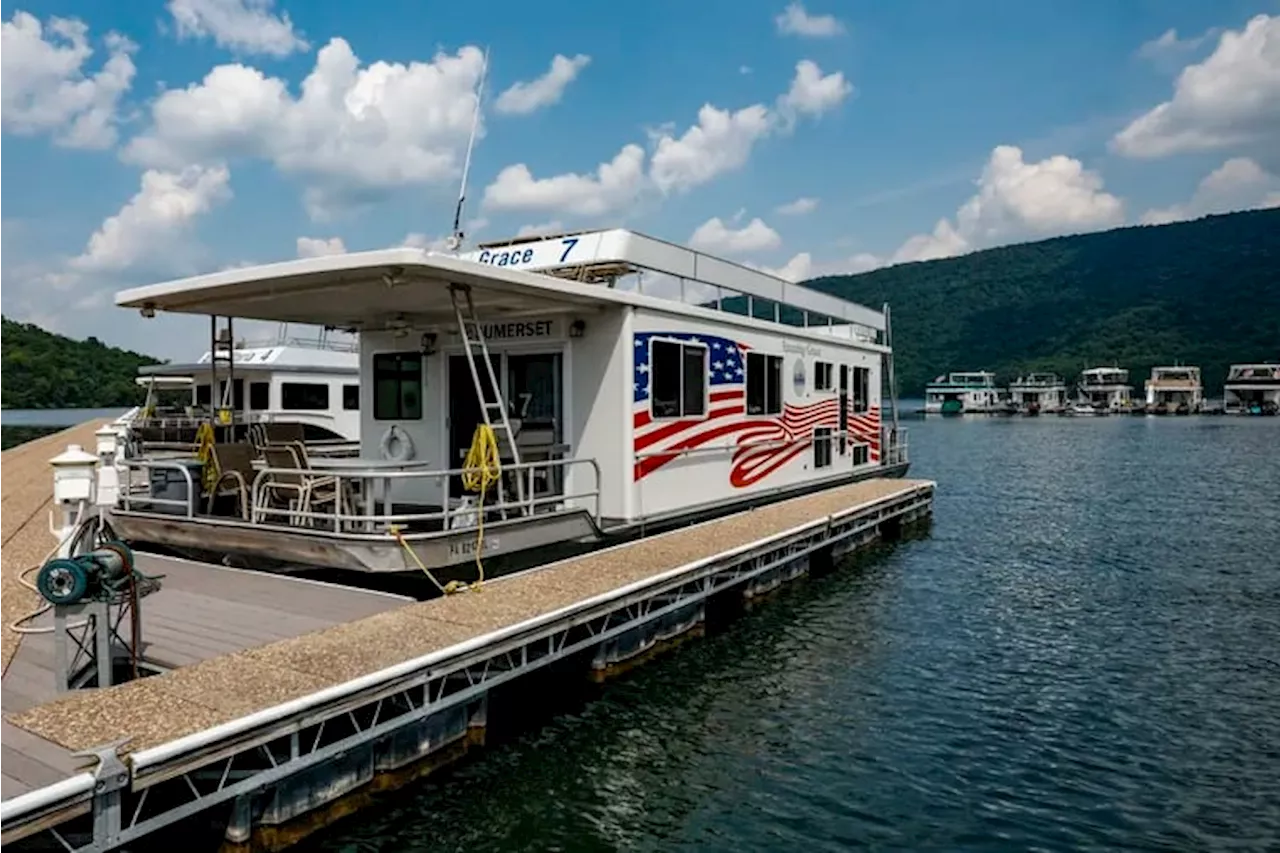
(152, 757)
(64, 792)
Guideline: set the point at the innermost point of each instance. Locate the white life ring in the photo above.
(397, 445)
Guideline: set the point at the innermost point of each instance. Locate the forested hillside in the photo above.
(1205, 292)
(42, 370)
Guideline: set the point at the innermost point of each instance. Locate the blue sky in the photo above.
(149, 140)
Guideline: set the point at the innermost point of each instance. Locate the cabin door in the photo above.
(464, 410)
(844, 409)
(535, 395)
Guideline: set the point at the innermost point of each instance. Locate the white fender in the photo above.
(397, 445)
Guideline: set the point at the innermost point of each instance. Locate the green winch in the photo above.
(103, 574)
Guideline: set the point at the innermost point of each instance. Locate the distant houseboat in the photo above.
(1105, 388)
(1175, 390)
(1252, 389)
(1039, 392)
(955, 393)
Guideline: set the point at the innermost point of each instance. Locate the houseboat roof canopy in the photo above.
(276, 359)
(407, 287)
(967, 377)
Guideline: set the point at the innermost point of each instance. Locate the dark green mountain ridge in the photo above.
(43, 370)
(1205, 293)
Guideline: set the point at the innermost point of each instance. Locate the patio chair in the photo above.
(234, 463)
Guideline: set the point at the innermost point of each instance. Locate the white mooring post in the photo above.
(74, 477)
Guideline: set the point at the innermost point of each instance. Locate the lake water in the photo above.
(54, 417)
(1082, 654)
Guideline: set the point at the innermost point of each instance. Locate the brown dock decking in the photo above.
(162, 708)
(26, 496)
(202, 613)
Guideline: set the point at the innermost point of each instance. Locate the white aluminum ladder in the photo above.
(473, 342)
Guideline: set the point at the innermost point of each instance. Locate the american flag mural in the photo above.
(763, 444)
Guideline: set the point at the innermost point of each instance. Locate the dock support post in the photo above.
(240, 823)
(60, 660)
(102, 641)
(110, 778)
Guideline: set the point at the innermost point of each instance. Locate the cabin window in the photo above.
(304, 396)
(351, 397)
(397, 386)
(204, 397)
(860, 454)
(764, 384)
(821, 447)
(823, 376)
(259, 396)
(861, 389)
(678, 379)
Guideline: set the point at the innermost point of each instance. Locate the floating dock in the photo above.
(293, 701)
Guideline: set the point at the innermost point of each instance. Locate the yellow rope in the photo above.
(204, 452)
(481, 470)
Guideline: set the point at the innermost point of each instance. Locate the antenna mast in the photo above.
(456, 235)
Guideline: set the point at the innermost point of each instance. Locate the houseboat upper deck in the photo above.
(1176, 389)
(1039, 392)
(571, 388)
(309, 382)
(1252, 389)
(972, 391)
(1105, 389)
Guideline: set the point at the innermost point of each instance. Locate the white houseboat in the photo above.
(1105, 389)
(1034, 393)
(550, 390)
(955, 393)
(1252, 389)
(308, 385)
(1175, 390)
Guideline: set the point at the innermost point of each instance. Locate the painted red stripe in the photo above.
(644, 417)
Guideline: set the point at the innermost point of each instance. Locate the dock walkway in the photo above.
(218, 690)
(201, 612)
(26, 496)
(370, 690)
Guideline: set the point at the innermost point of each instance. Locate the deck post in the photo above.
(110, 778)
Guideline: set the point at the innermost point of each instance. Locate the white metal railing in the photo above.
(370, 487)
(128, 498)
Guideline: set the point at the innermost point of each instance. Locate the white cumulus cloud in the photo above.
(612, 186)
(45, 85)
(555, 226)
(720, 142)
(164, 207)
(317, 247)
(1231, 98)
(1238, 184)
(244, 26)
(354, 133)
(717, 237)
(523, 98)
(799, 207)
(796, 21)
(1018, 200)
(813, 93)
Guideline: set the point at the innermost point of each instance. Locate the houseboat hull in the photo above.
(514, 544)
